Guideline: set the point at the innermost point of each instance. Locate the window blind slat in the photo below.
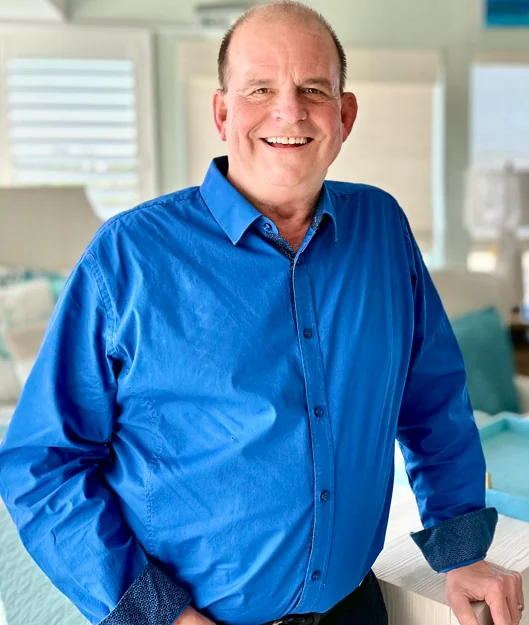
(92, 179)
(78, 97)
(107, 150)
(84, 115)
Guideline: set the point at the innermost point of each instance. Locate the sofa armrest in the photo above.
(521, 383)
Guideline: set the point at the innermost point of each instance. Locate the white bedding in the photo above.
(27, 597)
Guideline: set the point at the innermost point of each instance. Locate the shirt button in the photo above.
(267, 226)
(307, 333)
(315, 576)
(318, 411)
(325, 495)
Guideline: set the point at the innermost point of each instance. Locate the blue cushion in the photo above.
(489, 360)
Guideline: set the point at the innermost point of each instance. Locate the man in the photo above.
(208, 432)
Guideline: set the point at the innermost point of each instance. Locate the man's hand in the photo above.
(190, 616)
(500, 588)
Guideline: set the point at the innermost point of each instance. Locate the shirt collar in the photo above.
(232, 211)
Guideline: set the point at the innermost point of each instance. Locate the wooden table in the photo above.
(414, 593)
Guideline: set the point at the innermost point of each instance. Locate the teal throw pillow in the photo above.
(489, 360)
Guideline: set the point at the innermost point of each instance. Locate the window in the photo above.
(499, 134)
(499, 119)
(76, 116)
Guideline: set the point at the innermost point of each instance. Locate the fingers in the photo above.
(519, 591)
(462, 610)
(499, 609)
(512, 604)
(513, 592)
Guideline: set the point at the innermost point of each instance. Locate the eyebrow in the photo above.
(263, 82)
(323, 82)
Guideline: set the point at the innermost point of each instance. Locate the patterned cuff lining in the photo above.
(464, 538)
(153, 599)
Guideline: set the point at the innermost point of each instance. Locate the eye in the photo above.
(261, 91)
(313, 91)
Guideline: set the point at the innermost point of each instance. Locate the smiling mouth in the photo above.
(287, 143)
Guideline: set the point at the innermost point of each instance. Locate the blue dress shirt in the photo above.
(212, 415)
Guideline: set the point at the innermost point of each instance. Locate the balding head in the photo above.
(283, 11)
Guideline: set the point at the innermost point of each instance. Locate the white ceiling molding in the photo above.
(33, 10)
(60, 7)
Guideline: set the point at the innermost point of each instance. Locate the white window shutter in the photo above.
(79, 114)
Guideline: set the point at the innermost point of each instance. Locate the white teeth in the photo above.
(287, 140)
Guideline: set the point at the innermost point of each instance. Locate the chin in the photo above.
(283, 178)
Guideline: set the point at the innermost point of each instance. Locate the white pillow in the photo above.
(9, 383)
(23, 345)
(25, 303)
(22, 305)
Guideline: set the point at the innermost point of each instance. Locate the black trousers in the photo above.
(364, 606)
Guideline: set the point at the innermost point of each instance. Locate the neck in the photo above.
(291, 215)
(281, 205)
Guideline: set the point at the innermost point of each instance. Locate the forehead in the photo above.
(265, 48)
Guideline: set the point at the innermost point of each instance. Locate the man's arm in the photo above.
(445, 463)
(438, 436)
(52, 463)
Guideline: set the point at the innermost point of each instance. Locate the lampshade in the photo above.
(45, 228)
(496, 200)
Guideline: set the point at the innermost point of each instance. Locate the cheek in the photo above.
(329, 120)
(243, 119)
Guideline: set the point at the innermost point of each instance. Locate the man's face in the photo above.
(283, 83)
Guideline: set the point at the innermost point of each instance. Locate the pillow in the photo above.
(9, 384)
(23, 345)
(16, 275)
(489, 361)
(21, 306)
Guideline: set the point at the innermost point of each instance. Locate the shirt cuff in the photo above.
(459, 541)
(152, 599)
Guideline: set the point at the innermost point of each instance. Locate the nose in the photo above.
(290, 107)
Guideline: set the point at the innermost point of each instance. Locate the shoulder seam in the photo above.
(105, 299)
(152, 203)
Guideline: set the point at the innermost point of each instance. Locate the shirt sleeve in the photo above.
(438, 436)
(52, 464)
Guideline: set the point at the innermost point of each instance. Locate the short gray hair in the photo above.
(288, 7)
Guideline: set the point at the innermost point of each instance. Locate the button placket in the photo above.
(320, 438)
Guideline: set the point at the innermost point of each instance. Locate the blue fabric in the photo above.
(459, 541)
(489, 360)
(207, 404)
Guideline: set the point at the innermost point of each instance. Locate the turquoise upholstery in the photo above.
(489, 360)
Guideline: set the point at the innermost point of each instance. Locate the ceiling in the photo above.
(32, 10)
(429, 23)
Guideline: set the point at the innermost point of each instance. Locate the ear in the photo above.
(349, 113)
(220, 113)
